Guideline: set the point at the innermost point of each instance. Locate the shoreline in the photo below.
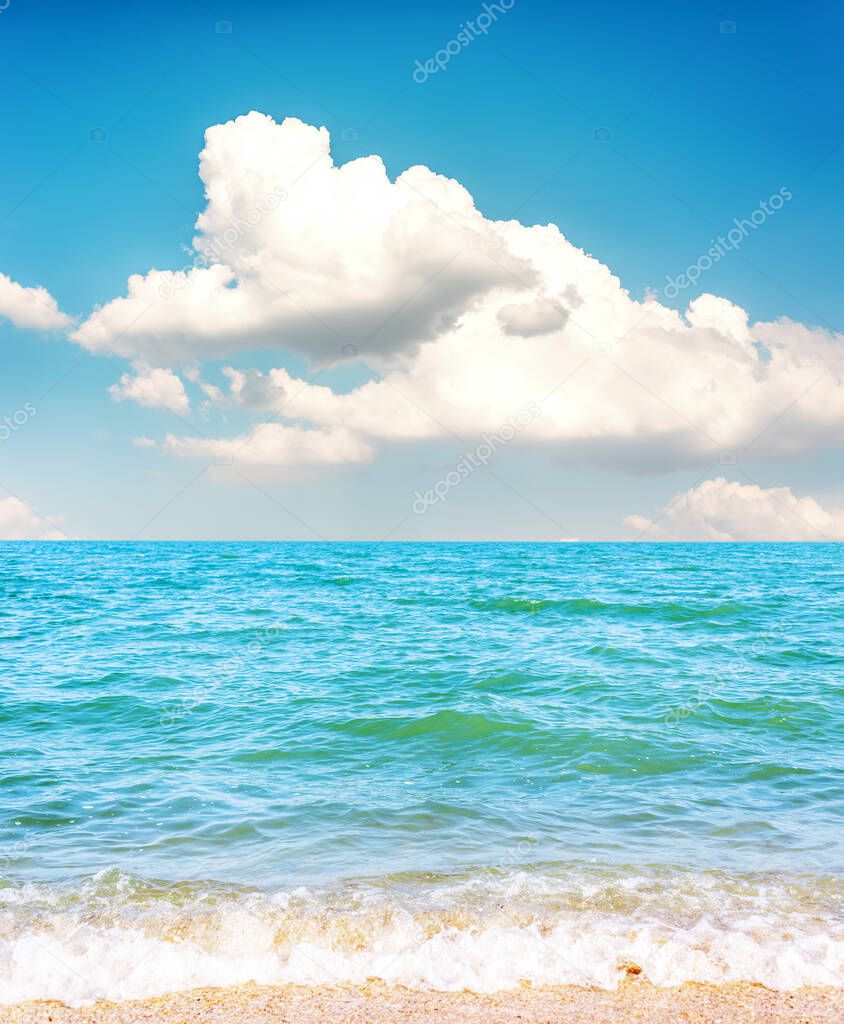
(635, 1000)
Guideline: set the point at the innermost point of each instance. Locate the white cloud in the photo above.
(144, 442)
(473, 319)
(538, 316)
(275, 444)
(250, 389)
(672, 393)
(30, 307)
(729, 511)
(151, 388)
(19, 522)
(293, 250)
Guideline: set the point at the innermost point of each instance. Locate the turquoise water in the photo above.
(258, 757)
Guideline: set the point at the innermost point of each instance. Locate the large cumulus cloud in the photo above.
(461, 320)
(295, 252)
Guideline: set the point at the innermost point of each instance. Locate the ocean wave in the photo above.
(671, 611)
(457, 726)
(120, 937)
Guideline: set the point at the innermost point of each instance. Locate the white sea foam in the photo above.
(481, 934)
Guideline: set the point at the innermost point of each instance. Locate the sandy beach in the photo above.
(635, 1001)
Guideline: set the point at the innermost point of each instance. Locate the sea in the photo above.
(447, 766)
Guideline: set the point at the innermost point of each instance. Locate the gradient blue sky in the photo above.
(705, 123)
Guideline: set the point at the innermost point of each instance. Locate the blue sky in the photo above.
(710, 109)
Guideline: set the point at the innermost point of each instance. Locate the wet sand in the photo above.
(635, 1002)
